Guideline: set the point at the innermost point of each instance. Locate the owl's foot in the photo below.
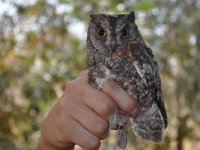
(118, 121)
(122, 137)
(149, 124)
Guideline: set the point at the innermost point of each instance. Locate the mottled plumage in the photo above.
(116, 51)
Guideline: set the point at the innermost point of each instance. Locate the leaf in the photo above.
(144, 5)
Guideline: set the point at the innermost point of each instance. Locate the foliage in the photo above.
(43, 46)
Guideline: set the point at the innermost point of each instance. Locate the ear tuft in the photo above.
(92, 16)
(131, 16)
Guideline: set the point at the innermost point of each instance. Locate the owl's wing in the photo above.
(157, 82)
(140, 72)
(147, 69)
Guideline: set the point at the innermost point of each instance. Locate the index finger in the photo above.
(84, 72)
(124, 101)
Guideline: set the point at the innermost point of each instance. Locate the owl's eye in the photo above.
(101, 32)
(124, 32)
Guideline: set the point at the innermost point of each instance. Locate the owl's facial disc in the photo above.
(116, 39)
(111, 33)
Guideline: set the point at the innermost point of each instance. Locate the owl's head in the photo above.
(111, 32)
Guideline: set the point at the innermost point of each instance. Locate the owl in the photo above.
(117, 51)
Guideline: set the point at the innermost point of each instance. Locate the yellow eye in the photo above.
(124, 32)
(101, 32)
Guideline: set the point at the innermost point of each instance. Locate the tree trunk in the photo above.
(181, 132)
(179, 138)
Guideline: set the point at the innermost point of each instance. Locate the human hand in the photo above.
(81, 115)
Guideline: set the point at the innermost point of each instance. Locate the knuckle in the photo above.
(74, 85)
(70, 94)
(71, 86)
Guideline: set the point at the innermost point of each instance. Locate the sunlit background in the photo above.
(43, 46)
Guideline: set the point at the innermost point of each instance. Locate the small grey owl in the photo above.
(117, 52)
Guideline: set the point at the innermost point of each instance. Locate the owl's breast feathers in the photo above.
(128, 49)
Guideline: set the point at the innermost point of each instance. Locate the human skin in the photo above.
(81, 115)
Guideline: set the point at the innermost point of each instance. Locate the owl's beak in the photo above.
(112, 45)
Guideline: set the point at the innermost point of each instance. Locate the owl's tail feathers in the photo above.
(149, 124)
(118, 121)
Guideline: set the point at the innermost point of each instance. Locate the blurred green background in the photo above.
(43, 46)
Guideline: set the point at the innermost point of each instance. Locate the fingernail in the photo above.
(134, 113)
